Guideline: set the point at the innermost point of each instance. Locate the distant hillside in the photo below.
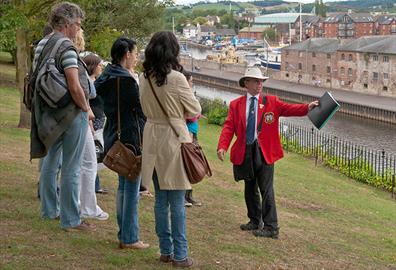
(362, 5)
(273, 6)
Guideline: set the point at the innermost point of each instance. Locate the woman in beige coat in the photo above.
(162, 160)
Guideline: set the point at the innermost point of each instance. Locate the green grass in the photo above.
(327, 220)
(7, 69)
(5, 57)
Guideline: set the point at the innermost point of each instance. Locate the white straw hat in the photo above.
(253, 72)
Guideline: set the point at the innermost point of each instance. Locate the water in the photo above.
(375, 135)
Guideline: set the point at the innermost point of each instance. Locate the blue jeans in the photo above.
(171, 233)
(97, 183)
(127, 210)
(69, 149)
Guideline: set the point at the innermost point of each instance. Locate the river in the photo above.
(375, 135)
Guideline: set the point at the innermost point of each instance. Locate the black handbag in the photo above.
(253, 157)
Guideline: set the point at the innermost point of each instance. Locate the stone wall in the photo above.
(213, 65)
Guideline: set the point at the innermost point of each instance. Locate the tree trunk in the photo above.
(21, 70)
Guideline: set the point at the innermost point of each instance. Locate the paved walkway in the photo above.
(385, 103)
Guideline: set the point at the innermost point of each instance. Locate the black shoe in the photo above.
(250, 226)
(193, 202)
(266, 232)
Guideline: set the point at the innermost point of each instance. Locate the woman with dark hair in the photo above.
(162, 138)
(123, 54)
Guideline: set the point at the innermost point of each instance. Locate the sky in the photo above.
(181, 2)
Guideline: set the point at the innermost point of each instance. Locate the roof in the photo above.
(356, 17)
(356, 44)
(372, 44)
(386, 19)
(253, 29)
(323, 45)
(276, 18)
(190, 27)
(309, 19)
(208, 28)
(225, 32)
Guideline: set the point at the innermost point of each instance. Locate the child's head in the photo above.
(94, 64)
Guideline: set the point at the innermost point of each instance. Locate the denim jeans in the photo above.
(97, 183)
(70, 145)
(127, 210)
(171, 233)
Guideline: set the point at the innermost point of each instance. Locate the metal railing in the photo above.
(374, 167)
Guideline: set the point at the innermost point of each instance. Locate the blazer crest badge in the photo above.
(269, 117)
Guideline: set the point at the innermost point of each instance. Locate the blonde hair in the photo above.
(79, 41)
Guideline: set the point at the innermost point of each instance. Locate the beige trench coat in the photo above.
(161, 146)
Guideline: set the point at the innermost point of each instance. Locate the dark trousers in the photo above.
(263, 208)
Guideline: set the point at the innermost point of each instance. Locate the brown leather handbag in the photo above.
(122, 158)
(194, 159)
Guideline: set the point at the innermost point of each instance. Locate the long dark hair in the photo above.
(120, 47)
(161, 56)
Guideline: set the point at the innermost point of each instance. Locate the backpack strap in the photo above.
(264, 101)
(54, 50)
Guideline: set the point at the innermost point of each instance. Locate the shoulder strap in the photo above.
(118, 110)
(56, 47)
(264, 101)
(162, 108)
(42, 56)
(52, 53)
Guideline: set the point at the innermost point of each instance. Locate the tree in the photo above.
(22, 21)
(228, 19)
(200, 20)
(320, 8)
(269, 34)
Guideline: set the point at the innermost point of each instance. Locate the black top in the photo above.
(130, 108)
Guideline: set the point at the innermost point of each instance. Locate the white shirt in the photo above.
(248, 96)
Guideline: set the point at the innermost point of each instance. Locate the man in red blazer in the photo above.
(254, 120)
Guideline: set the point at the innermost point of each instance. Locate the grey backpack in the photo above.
(51, 84)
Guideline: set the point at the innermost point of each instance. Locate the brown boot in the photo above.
(188, 262)
(84, 226)
(166, 258)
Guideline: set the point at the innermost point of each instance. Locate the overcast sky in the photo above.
(214, 1)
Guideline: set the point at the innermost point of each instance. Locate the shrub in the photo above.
(215, 110)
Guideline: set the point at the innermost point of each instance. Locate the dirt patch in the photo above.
(288, 203)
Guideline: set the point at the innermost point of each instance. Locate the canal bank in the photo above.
(361, 105)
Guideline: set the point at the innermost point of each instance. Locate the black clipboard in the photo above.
(328, 106)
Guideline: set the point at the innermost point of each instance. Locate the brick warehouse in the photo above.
(365, 65)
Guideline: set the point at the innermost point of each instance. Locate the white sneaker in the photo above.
(101, 216)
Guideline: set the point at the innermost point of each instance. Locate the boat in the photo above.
(274, 59)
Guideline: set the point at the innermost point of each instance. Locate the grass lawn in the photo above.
(7, 69)
(327, 221)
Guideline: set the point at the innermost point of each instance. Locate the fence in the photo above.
(374, 167)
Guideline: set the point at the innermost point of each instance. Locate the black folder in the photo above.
(322, 113)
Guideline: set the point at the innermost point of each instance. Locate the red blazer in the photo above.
(268, 138)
